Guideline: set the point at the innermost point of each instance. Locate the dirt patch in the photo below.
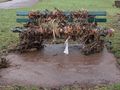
(51, 67)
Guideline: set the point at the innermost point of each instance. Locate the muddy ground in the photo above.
(51, 67)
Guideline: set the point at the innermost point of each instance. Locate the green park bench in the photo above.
(22, 17)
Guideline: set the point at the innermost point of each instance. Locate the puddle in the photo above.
(51, 67)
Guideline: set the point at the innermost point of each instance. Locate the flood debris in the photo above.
(31, 38)
(55, 25)
(4, 63)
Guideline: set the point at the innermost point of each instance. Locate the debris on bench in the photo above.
(117, 3)
(81, 26)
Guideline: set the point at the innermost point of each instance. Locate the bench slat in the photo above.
(97, 20)
(25, 20)
(22, 20)
(92, 13)
(97, 13)
(22, 13)
(100, 20)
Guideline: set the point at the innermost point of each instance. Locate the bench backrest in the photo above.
(24, 15)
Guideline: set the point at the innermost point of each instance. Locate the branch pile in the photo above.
(55, 25)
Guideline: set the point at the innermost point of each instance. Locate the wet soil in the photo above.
(51, 67)
(17, 4)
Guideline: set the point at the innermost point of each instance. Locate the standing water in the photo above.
(51, 67)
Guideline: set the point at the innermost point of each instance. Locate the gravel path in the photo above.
(17, 4)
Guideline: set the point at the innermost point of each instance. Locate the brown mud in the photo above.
(51, 67)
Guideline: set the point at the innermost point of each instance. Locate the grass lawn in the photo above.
(8, 19)
(67, 87)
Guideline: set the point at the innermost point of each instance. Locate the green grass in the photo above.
(79, 4)
(7, 21)
(114, 23)
(67, 87)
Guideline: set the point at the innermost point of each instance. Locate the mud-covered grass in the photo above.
(67, 87)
